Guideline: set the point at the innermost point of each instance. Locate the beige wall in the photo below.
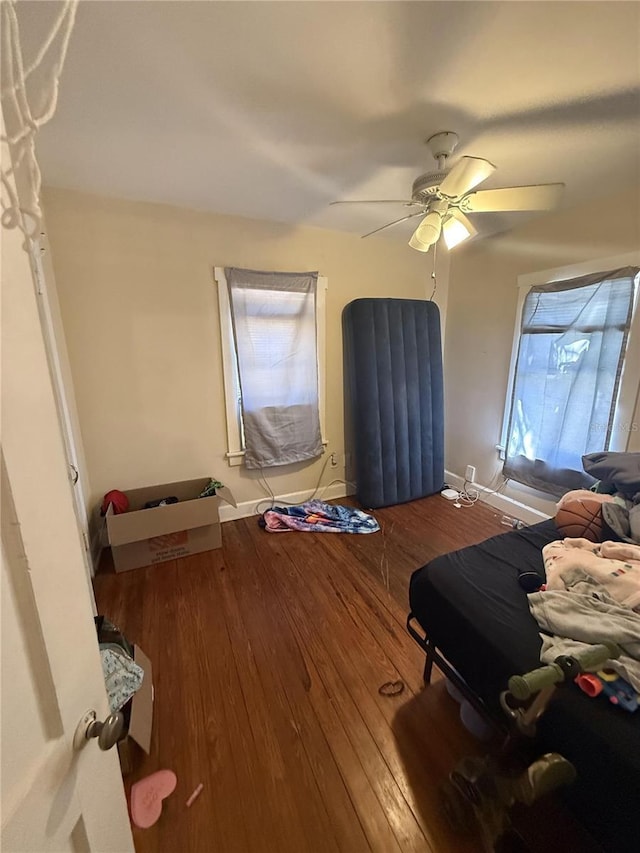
(481, 315)
(139, 307)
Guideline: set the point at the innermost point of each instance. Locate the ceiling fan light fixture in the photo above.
(427, 233)
(445, 196)
(418, 244)
(454, 232)
(429, 229)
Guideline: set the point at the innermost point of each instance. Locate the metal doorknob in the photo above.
(108, 732)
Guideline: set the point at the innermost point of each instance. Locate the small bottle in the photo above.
(514, 523)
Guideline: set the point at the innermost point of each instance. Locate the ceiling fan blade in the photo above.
(378, 201)
(539, 197)
(465, 175)
(395, 222)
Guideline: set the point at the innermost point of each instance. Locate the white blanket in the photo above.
(592, 595)
(615, 566)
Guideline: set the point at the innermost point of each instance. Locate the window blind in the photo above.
(274, 327)
(570, 356)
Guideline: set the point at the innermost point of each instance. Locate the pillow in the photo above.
(625, 523)
(617, 472)
(583, 494)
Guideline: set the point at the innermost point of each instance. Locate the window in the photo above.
(272, 346)
(573, 384)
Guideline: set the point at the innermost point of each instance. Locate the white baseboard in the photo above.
(498, 501)
(248, 508)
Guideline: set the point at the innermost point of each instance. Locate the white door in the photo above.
(51, 324)
(53, 798)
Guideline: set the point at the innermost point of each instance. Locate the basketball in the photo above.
(581, 519)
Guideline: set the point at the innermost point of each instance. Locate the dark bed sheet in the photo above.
(473, 609)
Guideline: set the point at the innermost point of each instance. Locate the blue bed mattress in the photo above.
(393, 362)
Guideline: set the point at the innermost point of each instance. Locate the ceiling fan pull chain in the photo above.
(433, 272)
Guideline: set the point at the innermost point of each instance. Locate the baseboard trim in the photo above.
(505, 504)
(249, 508)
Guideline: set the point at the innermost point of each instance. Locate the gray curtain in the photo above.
(274, 328)
(570, 356)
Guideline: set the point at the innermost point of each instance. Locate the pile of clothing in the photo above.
(122, 676)
(592, 591)
(592, 595)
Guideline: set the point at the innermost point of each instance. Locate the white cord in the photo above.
(15, 103)
(467, 496)
(503, 484)
(488, 491)
(278, 501)
(333, 482)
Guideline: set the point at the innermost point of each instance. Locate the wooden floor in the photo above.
(268, 655)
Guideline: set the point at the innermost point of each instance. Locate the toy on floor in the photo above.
(480, 792)
(195, 795)
(147, 796)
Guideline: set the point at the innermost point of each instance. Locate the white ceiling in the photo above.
(274, 109)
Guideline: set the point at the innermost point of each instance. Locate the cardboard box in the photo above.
(144, 537)
(138, 715)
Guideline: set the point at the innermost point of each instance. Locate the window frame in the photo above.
(629, 388)
(233, 414)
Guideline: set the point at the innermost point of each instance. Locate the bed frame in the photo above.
(433, 656)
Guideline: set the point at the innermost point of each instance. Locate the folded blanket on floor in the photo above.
(318, 517)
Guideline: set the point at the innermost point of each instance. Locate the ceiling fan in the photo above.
(443, 198)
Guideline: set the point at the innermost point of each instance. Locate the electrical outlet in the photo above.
(470, 473)
(334, 461)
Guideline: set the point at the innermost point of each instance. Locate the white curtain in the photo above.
(572, 343)
(274, 327)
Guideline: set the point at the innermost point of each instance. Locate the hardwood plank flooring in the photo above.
(268, 655)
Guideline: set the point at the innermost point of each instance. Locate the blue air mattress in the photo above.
(393, 365)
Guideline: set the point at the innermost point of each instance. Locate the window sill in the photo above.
(236, 457)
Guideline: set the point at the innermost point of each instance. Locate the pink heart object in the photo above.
(147, 796)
